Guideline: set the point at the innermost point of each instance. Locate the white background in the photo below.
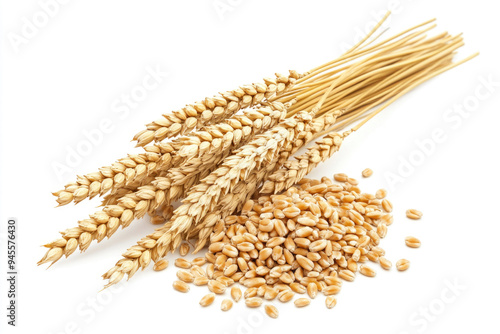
(70, 76)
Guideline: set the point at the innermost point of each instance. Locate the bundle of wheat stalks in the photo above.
(215, 154)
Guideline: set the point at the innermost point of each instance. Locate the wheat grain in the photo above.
(330, 302)
(367, 271)
(413, 214)
(185, 276)
(182, 263)
(367, 172)
(180, 286)
(226, 305)
(271, 311)
(384, 263)
(412, 242)
(302, 302)
(207, 300)
(184, 249)
(160, 265)
(402, 264)
(236, 293)
(253, 302)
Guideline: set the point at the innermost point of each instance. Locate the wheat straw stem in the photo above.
(410, 87)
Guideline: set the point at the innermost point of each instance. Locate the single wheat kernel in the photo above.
(181, 286)
(202, 280)
(347, 275)
(184, 249)
(331, 290)
(412, 242)
(285, 296)
(236, 292)
(312, 290)
(199, 261)
(367, 172)
(207, 299)
(340, 177)
(298, 288)
(197, 271)
(160, 265)
(367, 271)
(413, 214)
(156, 220)
(250, 292)
(185, 276)
(330, 302)
(402, 264)
(253, 302)
(226, 305)
(384, 263)
(353, 181)
(271, 311)
(182, 263)
(216, 287)
(387, 205)
(270, 293)
(381, 193)
(302, 302)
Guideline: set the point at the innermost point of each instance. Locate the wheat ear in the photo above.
(215, 109)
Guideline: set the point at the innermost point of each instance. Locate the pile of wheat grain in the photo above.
(306, 240)
(213, 155)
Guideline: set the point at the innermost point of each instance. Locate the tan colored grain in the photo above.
(302, 302)
(160, 265)
(202, 280)
(402, 264)
(184, 249)
(412, 242)
(226, 305)
(271, 311)
(181, 286)
(340, 177)
(331, 290)
(330, 302)
(182, 263)
(381, 194)
(285, 296)
(253, 302)
(236, 293)
(312, 290)
(199, 261)
(384, 263)
(413, 214)
(367, 172)
(185, 276)
(216, 287)
(207, 300)
(367, 271)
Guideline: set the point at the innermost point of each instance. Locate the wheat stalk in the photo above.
(165, 190)
(135, 171)
(212, 110)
